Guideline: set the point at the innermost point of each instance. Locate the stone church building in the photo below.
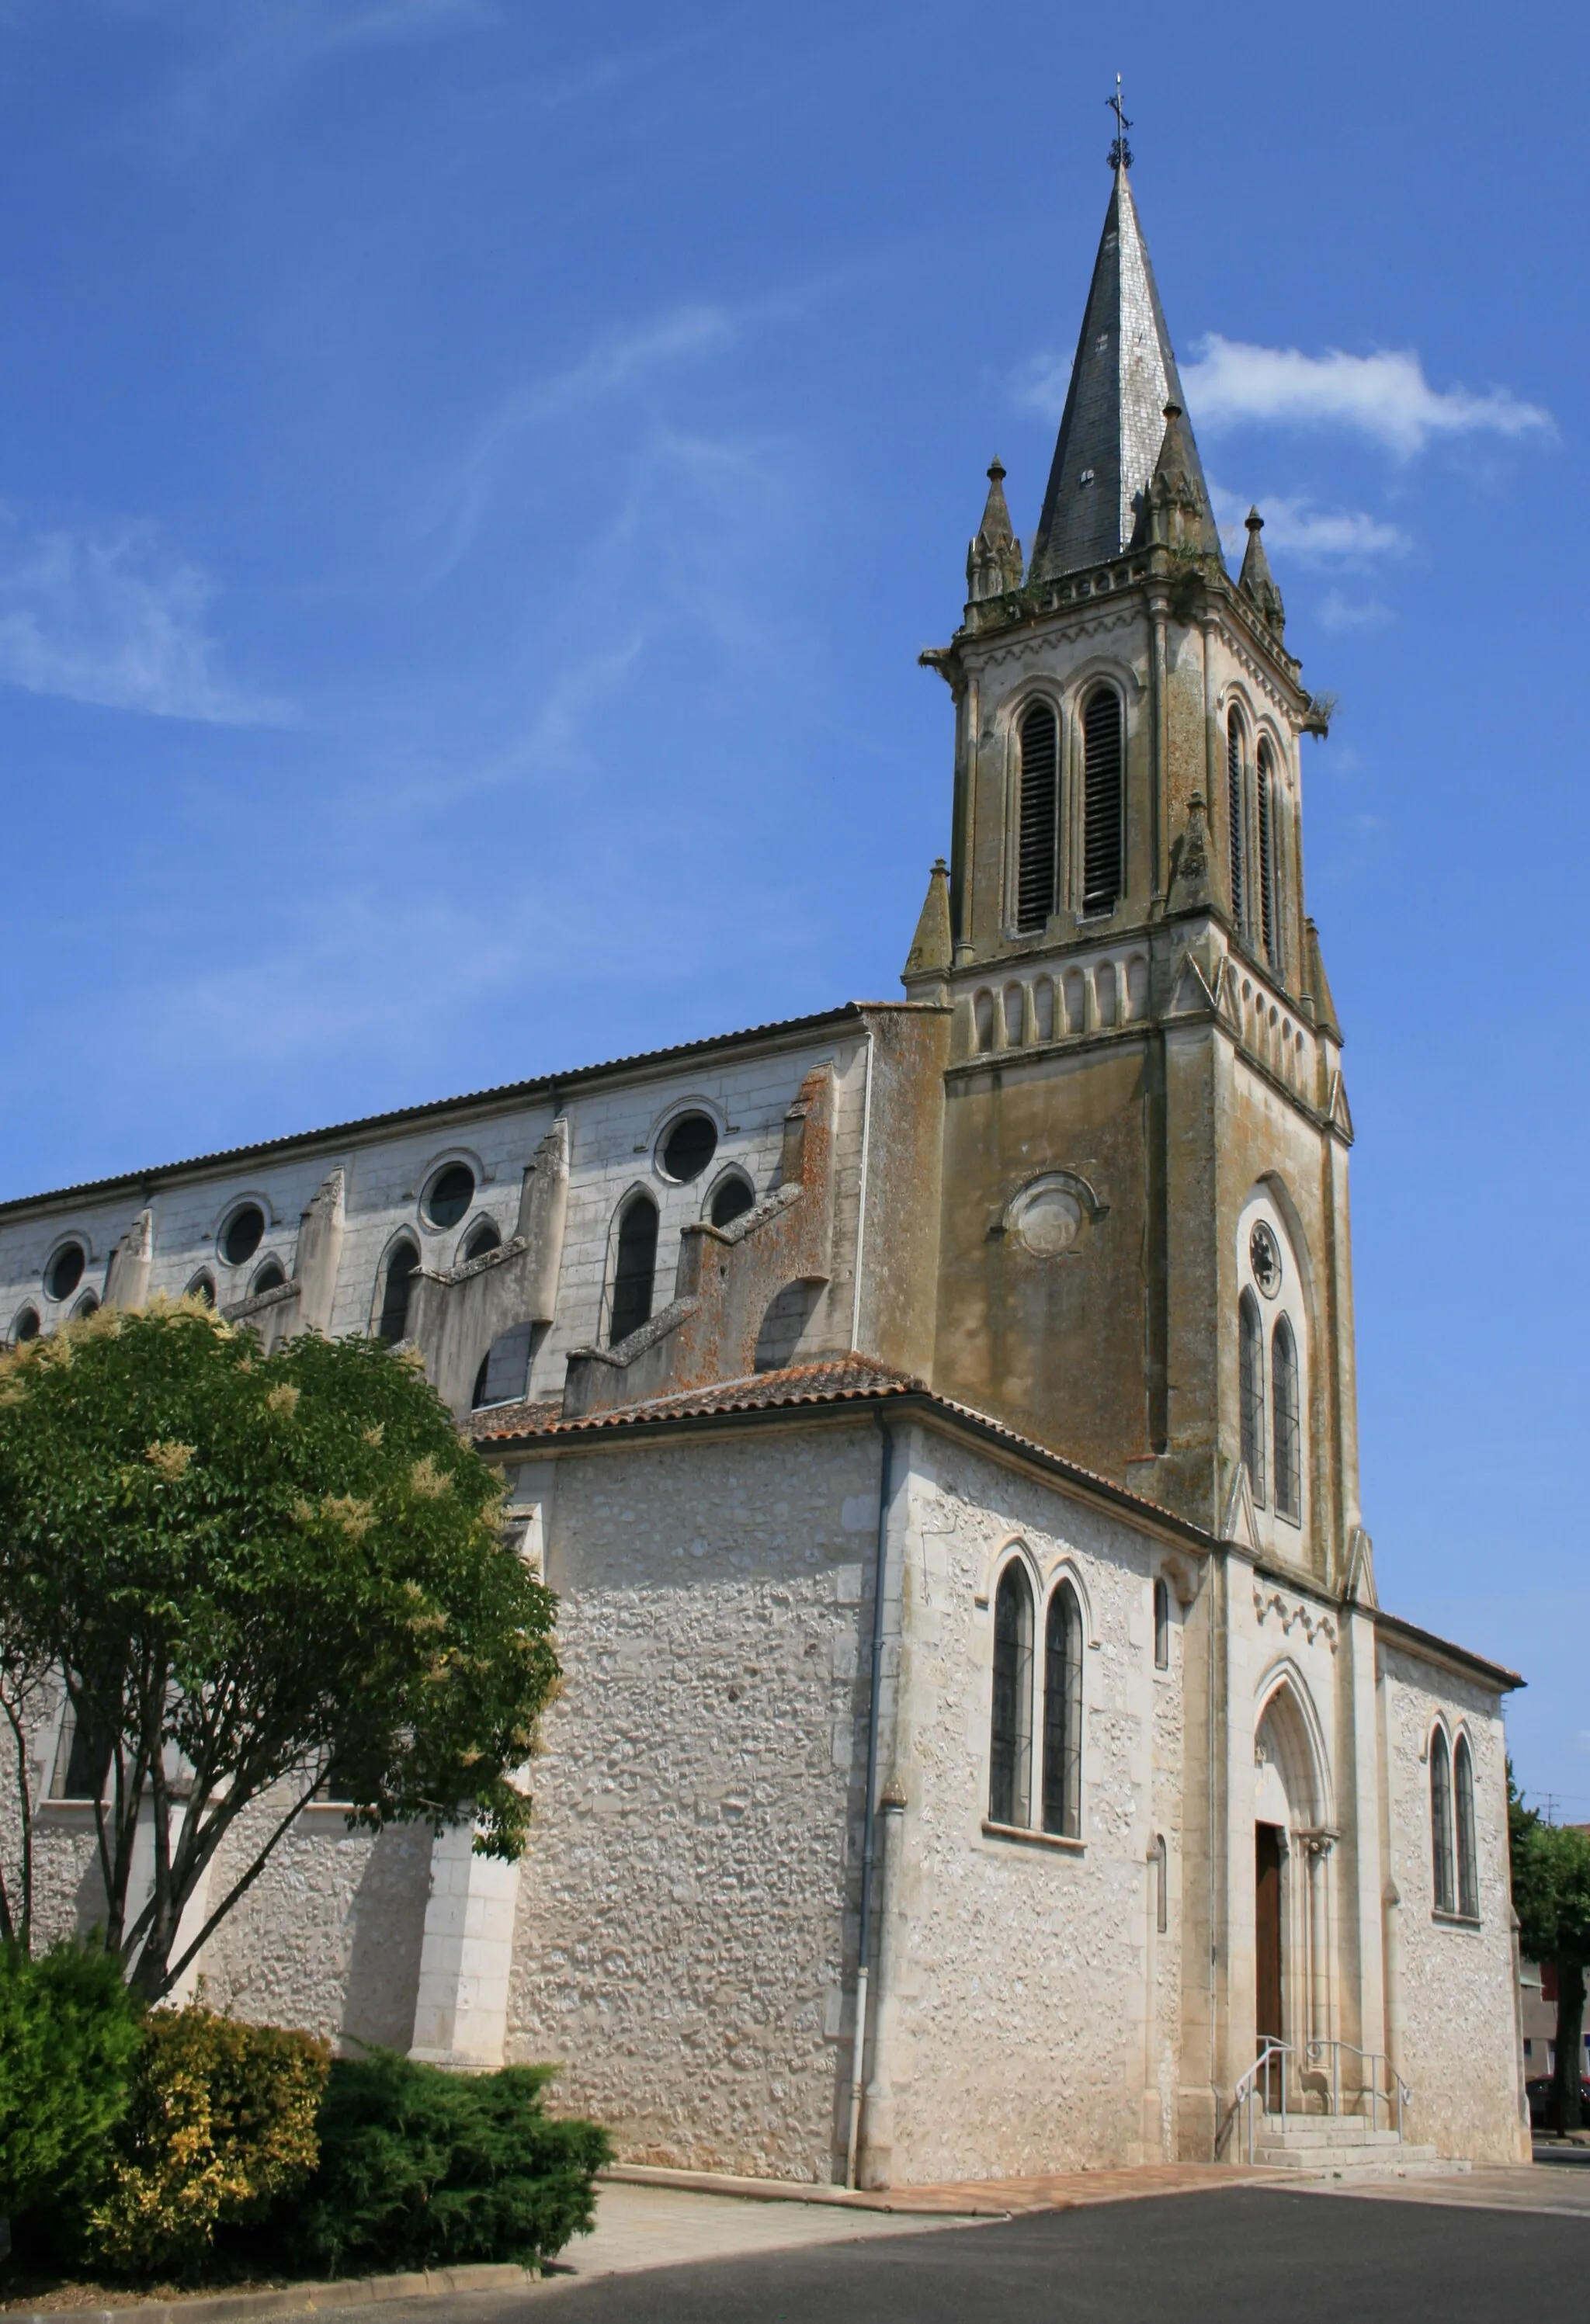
(983, 1739)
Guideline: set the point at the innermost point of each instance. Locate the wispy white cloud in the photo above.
(1386, 397)
(1040, 385)
(1340, 612)
(1314, 535)
(242, 54)
(619, 360)
(111, 620)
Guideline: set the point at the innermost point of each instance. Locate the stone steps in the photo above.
(1343, 2146)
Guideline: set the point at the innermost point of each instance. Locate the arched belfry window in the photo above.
(635, 1268)
(1062, 1714)
(1102, 802)
(1040, 817)
(1268, 900)
(1251, 1383)
(396, 1293)
(1236, 819)
(1441, 1819)
(1468, 1864)
(1288, 1425)
(1010, 1756)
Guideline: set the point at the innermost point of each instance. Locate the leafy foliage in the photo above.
(221, 2124)
(1551, 1896)
(70, 2036)
(246, 1566)
(421, 2168)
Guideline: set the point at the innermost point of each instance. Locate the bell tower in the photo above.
(1144, 1238)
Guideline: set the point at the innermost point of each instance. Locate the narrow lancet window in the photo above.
(1288, 1425)
(1269, 917)
(1062, 1715)
(400, 1271)
(1468, 1865)
(1039, 825)
(1010, 1757)
(635, 1270)
(1251, 1366)
(1236, 820)
(1161, 1624)
(1100, 802)
(1441, 1819)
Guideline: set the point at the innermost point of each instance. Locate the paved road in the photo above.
(1244, 2256)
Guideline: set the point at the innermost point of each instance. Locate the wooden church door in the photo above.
(1267, 1951)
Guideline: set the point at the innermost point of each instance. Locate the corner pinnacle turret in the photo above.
(1113, 431)
(993, 559)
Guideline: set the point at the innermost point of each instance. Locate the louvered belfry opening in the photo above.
(1267, 913)
(1236, 818)
(1100, 802)
(1035, 871)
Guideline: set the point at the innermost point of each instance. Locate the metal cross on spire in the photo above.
(1120, 150)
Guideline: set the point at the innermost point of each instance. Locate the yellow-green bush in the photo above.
(221, 2124)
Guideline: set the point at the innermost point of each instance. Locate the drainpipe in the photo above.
(869, 1825)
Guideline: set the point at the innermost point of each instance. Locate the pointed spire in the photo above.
(931, 951)
(993, 561)
(1113, 426)
(1258, 583)
(1178, 512)
(1316, 993)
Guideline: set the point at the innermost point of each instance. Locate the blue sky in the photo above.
(474, 478)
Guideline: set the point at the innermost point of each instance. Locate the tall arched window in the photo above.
(1010, 1755)
(1039, 821)
(1158, 1858)
(1441, 1819)
(400, 1271)
(1062, 1714)
(1269, 899)
(635, 1270)
(1161, 1624)
(1469, 1862)
(482, 1238)
(1288, 1425)
(1101, 801)
(1251, 1368)
(1236, 819)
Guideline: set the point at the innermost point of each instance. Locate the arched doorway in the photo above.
(1293, 1920)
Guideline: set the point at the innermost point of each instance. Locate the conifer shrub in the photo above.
(421, 2168)
(221, 2125)
(69, 2038)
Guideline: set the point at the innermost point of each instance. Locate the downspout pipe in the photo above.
(870, 1820)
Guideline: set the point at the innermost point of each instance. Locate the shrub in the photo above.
(221, 2124)
(69, 2034)
(421, 2168)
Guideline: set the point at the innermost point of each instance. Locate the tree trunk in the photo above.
(1568, 2072)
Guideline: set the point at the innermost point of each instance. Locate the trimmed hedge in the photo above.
(220, 2127)
(69, 2038)
(421, 2168)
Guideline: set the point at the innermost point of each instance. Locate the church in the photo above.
(984, 1750)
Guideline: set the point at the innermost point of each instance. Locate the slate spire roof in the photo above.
(1113, 426)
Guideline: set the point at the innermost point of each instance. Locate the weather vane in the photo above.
(1120, 150)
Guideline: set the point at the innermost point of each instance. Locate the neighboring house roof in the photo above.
(505, 1093)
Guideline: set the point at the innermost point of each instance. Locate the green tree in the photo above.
(70, 2035)
(1551, 1896)
(246, 1567)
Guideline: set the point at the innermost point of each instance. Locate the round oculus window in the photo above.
(1050, 1222)
(452, 1191)
(244, 1233)
(1265, 1258)
(66, 1271)
(689, 1146)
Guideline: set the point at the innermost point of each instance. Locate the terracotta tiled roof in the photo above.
(837, 1379)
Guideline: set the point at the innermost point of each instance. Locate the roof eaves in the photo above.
(505, 1093)
(1430, 1648)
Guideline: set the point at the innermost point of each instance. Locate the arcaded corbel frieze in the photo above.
(1293, 1613)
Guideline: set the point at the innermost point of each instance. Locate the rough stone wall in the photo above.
(681, 1941)
(1019, 1975)
(1452, 1985)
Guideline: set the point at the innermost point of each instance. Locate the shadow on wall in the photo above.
(785, 1324)
(383, 1982)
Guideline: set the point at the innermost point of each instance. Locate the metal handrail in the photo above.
(1395, 2099)
(1247, 2088)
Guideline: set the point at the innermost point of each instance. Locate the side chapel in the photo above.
(984, 1750)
